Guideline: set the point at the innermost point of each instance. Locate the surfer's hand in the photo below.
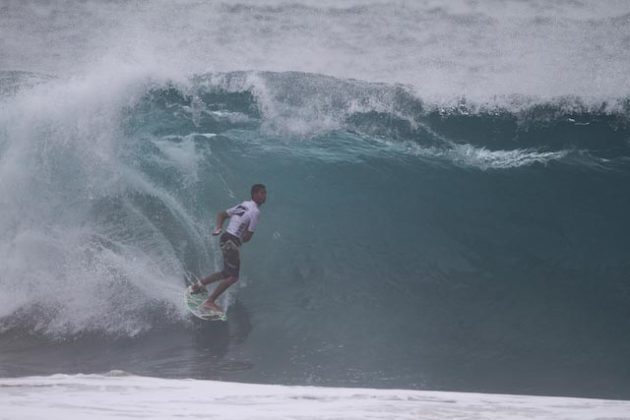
(216, 232)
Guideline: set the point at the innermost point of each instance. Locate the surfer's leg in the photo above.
(199, 285)
(222, 287)
(213, 277)
(229, 274)
(231, 268)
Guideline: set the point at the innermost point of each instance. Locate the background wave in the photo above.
(484, 51)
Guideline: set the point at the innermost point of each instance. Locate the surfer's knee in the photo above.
(231, 280)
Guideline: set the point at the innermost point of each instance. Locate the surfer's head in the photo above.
(259, 194)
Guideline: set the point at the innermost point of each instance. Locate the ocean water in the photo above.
(448, 192)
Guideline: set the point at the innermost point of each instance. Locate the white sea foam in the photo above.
(469, 156)
(64, 266)
(478, 157)
(123, 396)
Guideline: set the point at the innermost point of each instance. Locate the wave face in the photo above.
(412, 237)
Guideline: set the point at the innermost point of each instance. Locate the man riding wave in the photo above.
(243, 220)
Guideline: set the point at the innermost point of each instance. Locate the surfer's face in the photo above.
(260, 196)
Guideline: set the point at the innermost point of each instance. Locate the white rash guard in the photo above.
(243, 216)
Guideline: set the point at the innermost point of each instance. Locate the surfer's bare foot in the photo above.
(211, 306)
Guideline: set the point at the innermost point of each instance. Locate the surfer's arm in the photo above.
(221, 216)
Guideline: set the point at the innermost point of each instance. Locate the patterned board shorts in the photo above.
(231, 255)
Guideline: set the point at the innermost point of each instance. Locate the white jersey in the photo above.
(244, 216)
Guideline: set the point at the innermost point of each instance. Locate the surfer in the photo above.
(240, 229)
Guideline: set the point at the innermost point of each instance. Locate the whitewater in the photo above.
(446, 231)
(117, 395)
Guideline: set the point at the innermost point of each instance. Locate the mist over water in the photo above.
(477, 50)
(447, 191)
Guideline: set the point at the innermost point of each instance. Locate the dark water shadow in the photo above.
(195, 349)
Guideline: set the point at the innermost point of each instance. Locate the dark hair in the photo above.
(257, 187)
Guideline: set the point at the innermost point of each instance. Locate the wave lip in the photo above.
(299, 106)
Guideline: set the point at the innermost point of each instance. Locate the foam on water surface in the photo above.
(121, 396)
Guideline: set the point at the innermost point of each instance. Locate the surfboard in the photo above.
(193, 303)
